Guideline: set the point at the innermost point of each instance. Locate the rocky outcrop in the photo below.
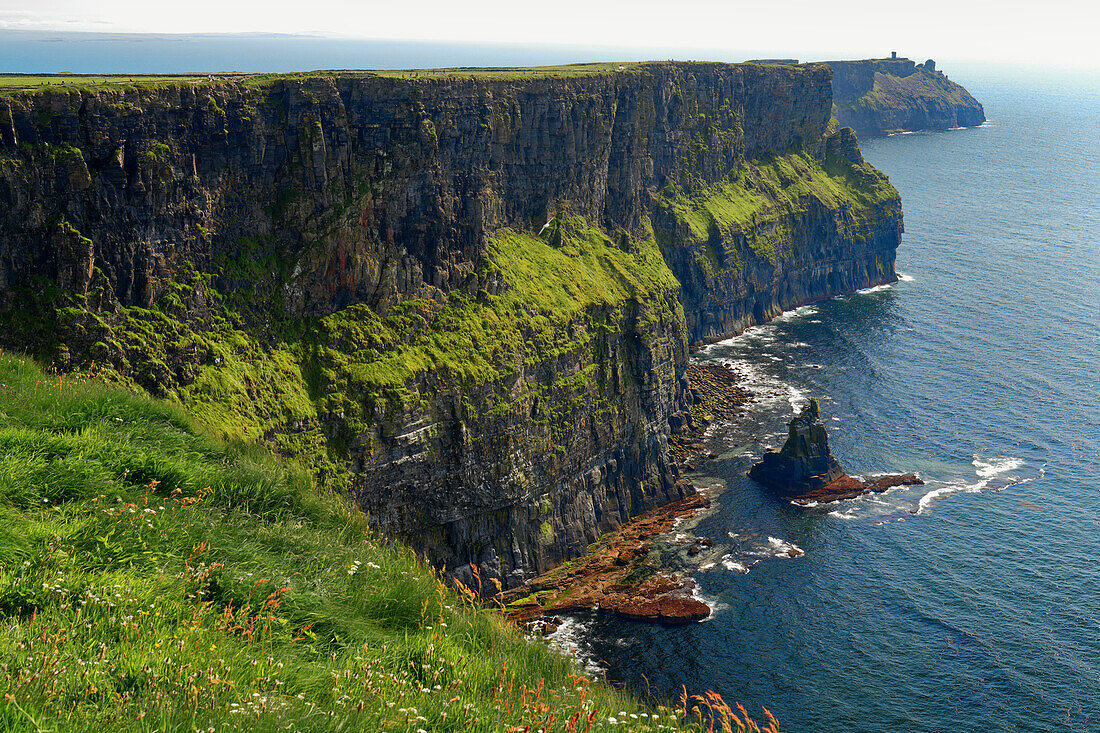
(805, 472)
(467, 301)
(805, 462)
(880, 96)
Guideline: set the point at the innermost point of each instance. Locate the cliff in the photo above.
(465, 300)
(879, 96)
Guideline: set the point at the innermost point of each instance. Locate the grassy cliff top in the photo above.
(13, 83)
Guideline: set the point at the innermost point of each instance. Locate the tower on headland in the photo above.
(893, 55)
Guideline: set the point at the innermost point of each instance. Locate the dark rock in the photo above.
(805, 462)
(694, 550)
(805, 472)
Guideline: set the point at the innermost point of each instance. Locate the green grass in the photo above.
(551, 296)
(153, 577)
(10, 83)
(899, 92)
(39, 82)
(759, 199)
(533, 300)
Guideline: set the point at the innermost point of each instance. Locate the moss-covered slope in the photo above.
(779, 232)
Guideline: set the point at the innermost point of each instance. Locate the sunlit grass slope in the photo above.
(153, 578)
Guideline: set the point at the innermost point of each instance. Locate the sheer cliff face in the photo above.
(466, 288)
(879, 96)
(377, 188)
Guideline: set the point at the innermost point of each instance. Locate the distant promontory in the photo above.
(880, 96)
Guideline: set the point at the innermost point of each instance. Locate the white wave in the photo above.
(875, 289)
(566, 639)
(806, 310)
(992, 474)
(782, 548)
(711, 603)
(734, 566)
(843, 515)
(995, 466)
(906, 277)
(797, 398)
(758, 334)
(708, 566)
(955, 488)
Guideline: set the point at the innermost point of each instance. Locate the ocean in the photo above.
(971, 603)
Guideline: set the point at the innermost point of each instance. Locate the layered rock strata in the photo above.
(466, 301)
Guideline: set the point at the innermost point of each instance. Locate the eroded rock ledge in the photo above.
(619, 575)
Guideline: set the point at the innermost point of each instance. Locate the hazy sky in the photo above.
(1053, 32)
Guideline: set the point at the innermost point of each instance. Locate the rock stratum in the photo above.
(880, 96)
(466, 302)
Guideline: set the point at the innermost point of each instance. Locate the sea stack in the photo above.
(804, 471)
(805, 463)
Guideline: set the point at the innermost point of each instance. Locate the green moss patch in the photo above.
(760, 199)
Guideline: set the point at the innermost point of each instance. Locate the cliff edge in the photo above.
(465, 300)
(880, 96)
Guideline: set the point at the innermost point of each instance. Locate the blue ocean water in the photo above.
(972, 603)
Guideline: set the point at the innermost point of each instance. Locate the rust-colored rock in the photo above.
(849, 487)
(669, 610)
(616, 577)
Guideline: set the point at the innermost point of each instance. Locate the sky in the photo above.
(1045, 32)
